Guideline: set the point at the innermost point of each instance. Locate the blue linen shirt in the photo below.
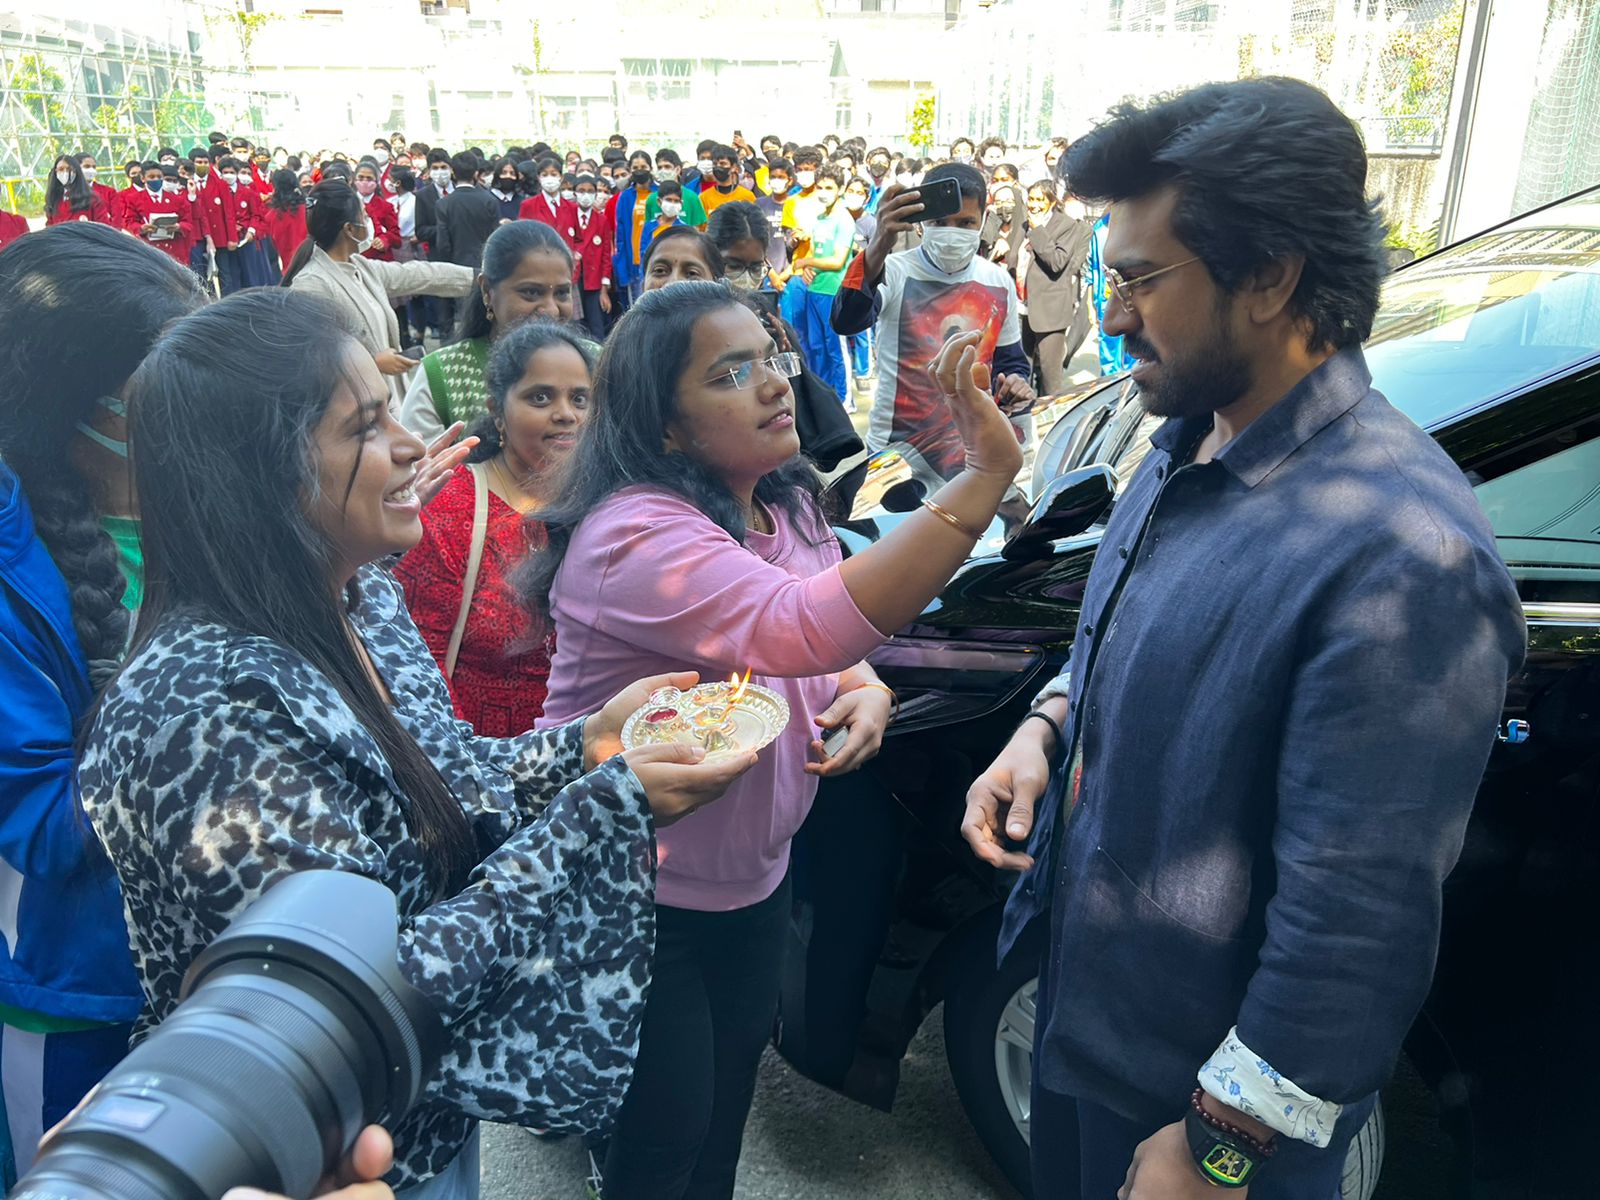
(1284, 688)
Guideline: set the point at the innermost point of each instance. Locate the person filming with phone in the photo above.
(917, 298)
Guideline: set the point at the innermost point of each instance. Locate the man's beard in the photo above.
(1193, 384)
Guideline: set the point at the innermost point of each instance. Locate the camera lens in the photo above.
(295, 1030)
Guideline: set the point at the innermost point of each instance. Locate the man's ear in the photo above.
(1269, 290)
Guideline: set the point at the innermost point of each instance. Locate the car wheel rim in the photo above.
(1013, 1053)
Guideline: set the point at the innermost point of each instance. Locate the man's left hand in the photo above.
(1164, 1169)
(1014, 395)
(865, 712)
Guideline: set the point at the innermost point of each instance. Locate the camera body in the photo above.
(294, 1031)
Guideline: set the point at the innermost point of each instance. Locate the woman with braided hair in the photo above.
(81, 305)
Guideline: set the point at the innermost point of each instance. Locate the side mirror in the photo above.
(1069, 504)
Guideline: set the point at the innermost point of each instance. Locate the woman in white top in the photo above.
(329, 264)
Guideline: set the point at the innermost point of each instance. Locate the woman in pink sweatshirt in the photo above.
(689, 538)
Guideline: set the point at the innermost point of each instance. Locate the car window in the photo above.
(1546, 518)
(1485, 318)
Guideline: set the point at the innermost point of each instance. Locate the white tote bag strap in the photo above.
(469, 582)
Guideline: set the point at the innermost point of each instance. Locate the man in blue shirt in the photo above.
(1257, 768)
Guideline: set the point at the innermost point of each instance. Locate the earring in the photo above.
(488, 309)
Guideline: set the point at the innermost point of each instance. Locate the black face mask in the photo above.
(722, 174)
(877, 169)
(641, 178)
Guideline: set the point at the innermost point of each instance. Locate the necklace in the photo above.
(511, 487)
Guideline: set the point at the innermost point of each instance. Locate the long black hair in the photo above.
(635, 396)
(503, 253)
(77, 192)
(286, 194)
(508, 363)
(330, 206)
(80, 293)
(189, 423)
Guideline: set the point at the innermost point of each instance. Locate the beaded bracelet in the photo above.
(1265, 1149)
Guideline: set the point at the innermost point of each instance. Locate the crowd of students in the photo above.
(400, 632)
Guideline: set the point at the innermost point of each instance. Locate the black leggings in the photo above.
(713, 998)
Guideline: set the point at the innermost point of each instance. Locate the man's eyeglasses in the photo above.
(741, 376)
(1125, 289)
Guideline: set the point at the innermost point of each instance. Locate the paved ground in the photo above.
(805, 1143)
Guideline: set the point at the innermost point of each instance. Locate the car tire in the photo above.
(988, 1040)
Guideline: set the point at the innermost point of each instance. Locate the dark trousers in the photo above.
(596, 322)
(230, 271)
(713, 998)
(1052, 352)
(1082, 1151)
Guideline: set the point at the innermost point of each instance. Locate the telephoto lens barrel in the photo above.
(295, 1029)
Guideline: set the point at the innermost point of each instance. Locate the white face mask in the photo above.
(439, 177)
(550, 183)
(90, 173)
(671, 208)
(666, 174)
(63, 177)
(705, 166)
(805, 179)
(905, 179)
(380, 155)
(585, 199)
(950, 249)
(365, 243)
(230, 178)
(777, 187)
(568, 194)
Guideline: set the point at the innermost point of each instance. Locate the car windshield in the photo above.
(1483, 318)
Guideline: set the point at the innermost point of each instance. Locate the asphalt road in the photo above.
(804, 1142)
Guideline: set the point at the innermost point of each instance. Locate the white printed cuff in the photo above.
(1241, 1078)
(1059, 686)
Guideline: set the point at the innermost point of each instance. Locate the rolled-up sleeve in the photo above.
(1371, 809)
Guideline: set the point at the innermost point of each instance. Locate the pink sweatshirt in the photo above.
(649, 585)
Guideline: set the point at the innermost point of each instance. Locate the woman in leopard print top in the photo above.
(269, 720)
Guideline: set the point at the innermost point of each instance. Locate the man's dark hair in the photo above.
(781, 164)
(545, 163)
(668, 188)
(834, 172)
(617, 137)
(612, 155)
(1263, 168)
(705, 146)
(809, 154)
(438, 156)
(168, 150)
(216, 136)
(970, 182)
(769, 137)
(877, 150)
(669, 156)
(990, 142)
(727, 152)
(464, 167)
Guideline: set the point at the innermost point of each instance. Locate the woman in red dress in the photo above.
(68, 196)
(538, 376)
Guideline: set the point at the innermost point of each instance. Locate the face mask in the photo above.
(439, 177)
(63, 177)
(154, 185)
(364, 244)
(568, 194)
(665, 174)
(722, 174)
(671, 208)
(854, 203)
(777, 187)
(640, 179)
(230, 178)
(89, 173)
(585, 199)
(380, 155)
(1005, 211)
(171, 185)
(550, 183)
(705, 166)
(950, 249)
(877, 169)
(805, 179)
(117, 407)
(964, 158)
(366, 187)
(905, 179)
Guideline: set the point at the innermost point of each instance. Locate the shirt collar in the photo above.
(1322, 397)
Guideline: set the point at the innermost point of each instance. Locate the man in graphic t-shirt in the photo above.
(917, 299)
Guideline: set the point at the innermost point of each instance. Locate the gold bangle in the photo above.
(893, 699)
(950, 519)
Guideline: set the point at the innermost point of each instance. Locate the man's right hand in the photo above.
(1000, 802)
(897, 210)
(677, 778)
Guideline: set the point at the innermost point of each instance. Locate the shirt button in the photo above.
(1122, 552)
(1088, 630)
(1161, 472)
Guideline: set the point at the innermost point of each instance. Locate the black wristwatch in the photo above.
(1225, 1156)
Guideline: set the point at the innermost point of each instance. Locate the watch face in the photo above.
(1226, 1166)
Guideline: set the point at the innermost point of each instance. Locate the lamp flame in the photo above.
(738, 685)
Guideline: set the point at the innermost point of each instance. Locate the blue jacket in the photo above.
(63, 940)
(1284, 687)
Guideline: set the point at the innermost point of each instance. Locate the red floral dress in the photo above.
(503, 670)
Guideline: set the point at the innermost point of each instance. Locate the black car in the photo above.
(1493, 346)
